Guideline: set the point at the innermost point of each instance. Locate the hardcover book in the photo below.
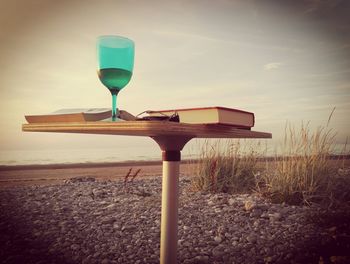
(211, 115)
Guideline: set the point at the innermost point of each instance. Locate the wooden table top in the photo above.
(147, 128)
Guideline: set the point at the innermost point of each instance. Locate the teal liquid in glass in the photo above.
(114, 78)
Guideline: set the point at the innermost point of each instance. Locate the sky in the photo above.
(286, 61)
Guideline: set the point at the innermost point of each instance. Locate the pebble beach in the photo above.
(82, 220)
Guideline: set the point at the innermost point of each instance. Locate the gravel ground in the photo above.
(85, 221)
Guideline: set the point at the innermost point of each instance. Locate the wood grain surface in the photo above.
(147, 128)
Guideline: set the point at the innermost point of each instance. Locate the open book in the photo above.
(71, 115)
(78, 115)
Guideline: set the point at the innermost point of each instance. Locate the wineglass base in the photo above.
(111, 119)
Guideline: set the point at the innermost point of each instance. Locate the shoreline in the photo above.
(50, 174)
(81, 165)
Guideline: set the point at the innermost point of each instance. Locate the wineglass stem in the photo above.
(114, 104)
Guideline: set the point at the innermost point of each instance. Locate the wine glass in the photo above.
(115, 65)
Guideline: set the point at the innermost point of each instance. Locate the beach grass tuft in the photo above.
(300, 172)
(228, 166)
(303, 171)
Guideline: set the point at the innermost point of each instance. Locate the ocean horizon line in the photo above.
(126, 163)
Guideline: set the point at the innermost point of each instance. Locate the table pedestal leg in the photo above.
(169, 220)
(171, 147)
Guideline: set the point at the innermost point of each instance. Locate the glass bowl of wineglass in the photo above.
(115, 64)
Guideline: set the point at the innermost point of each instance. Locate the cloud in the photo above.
(259, 43)
(272, 66)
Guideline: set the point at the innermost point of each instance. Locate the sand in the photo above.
(57, 173)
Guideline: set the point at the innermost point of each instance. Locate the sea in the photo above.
(101, 155)
(86, 155)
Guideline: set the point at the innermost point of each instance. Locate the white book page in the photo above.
(81, 110)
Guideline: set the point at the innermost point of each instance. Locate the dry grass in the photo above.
(226, 166)
(302, 172)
